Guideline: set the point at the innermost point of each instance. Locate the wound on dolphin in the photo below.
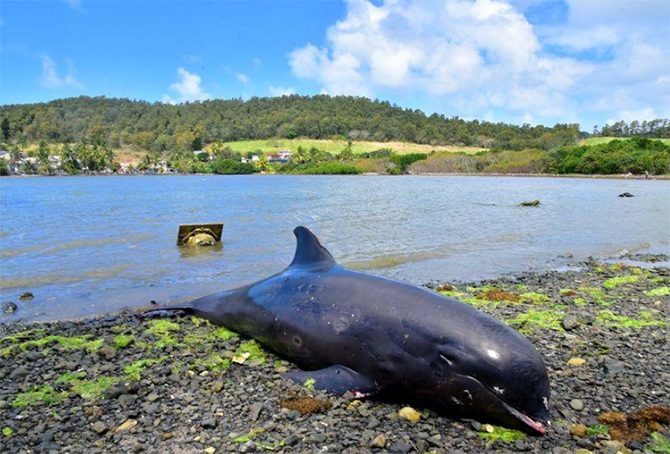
(366, 334)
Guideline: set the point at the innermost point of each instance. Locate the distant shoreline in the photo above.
(551, 175)
(664, 177)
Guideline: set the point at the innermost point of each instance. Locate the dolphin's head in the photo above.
(494, 374)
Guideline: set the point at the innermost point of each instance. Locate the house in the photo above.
(254, 159)
(282, 156)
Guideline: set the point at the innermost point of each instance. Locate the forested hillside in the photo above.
(88, 135)
(162, 127)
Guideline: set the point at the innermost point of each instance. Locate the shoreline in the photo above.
(663, 177)
(126, 383)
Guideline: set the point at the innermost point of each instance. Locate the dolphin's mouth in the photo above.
(538, 426)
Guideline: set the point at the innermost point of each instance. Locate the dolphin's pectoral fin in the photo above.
(335, 379)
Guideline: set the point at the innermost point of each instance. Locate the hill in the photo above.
(158, 127)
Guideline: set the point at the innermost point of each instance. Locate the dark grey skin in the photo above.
(366, 334)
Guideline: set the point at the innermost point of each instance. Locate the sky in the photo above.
(590, 62)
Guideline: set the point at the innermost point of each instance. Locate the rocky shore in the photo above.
(128, 383)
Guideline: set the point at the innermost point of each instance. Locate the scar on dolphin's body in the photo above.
(351, 331)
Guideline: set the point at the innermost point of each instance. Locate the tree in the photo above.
(42, 155)
(347, 152)
(263, 165)
(4, 167)
(4, 126)
(300, 155)
(184, 140)
(69, 161)
(143, 139)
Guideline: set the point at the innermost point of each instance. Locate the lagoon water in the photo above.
(90, 245)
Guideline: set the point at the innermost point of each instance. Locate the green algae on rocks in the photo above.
(495, 433)
(48, 342)
(610, 319)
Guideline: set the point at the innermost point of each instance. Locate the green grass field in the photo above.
(599, 140)
(335, 146)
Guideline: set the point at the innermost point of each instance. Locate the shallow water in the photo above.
(88, 245)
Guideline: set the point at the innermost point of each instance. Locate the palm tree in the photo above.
(70, 163)
(300, 155)
(264, 165)
(42, 155)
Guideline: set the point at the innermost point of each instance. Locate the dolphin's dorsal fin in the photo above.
(309, 251)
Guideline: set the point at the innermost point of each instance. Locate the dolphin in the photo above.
(351, 331)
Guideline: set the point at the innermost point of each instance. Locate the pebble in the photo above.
(409, 414)
(577, 404)
(47, 436)
(248, 446)
(576, 362)
(209, 422)
(570, 322)
(107, 351)
(612, 367)
(126, 400)
(255, 410)
(9, 307)
(379, 441)
(401, 447)
(99, 427)
(18, 373)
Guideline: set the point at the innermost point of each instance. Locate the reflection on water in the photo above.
(89, 245)
(391, 260)
(194, 251)
(61, 277)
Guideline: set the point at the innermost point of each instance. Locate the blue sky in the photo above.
(516, 61)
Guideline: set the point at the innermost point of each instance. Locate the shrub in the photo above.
(231, 167)
(635, 155)
(328, 168)
(403, 161)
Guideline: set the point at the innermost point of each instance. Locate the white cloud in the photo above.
(188, 87)
(281, 91)
(243, 78)
(631, 60)
(448, 49)
(485, 57)
(51, 79)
